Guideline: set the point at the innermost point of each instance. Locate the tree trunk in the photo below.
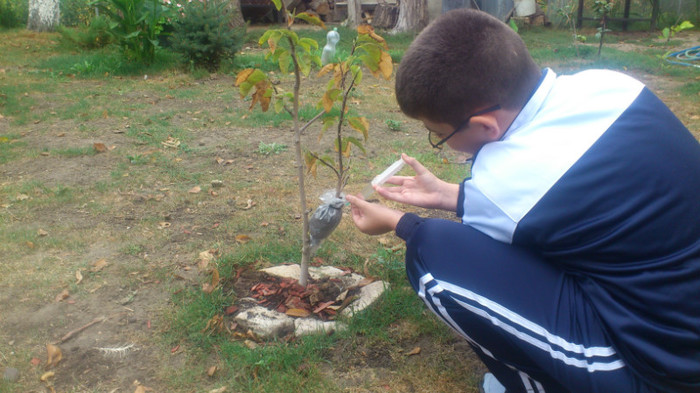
(385, 16)
(354, 13)
(235, 15)
(413, 16)
(44, 15)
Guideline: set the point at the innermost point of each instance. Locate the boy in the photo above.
(577, 264)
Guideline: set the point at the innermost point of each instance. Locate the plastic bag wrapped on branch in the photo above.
(325, 218)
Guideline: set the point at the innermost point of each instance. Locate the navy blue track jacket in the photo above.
(598, 176)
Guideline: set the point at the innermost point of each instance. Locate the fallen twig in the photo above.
(70, 334)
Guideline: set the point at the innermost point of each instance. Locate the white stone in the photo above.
(316, 273)
(368, 294)
(307, 326)
(265, 323)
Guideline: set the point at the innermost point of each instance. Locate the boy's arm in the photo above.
(422, 190)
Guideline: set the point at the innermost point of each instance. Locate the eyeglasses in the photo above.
(438, 144)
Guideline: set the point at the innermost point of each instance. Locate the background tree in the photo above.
(354, 13)
(44, 15)
(413, 16)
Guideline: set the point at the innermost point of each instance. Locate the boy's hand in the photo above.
(373, 218)
(422, 190)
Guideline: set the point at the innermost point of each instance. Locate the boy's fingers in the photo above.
(413, 163)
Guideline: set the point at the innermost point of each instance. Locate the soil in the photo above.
(109, 323)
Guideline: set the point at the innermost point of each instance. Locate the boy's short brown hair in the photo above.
(464, 60)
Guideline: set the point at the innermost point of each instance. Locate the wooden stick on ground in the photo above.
(72, 333)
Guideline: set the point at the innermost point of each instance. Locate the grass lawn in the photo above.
(109, 193)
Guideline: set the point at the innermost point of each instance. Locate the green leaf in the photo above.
(264, 37)
(304, 65)
(279, 105)
(285, 61)
(244, 88)
(310, 19)
(360, 124)
(370, 63)
(278, 4)
(373, 50)
(256, 77)
(357, 143)
(356, 73)
(308, 43)
(291, 35)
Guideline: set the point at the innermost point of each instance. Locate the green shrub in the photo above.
(76, 12)
(96, 35)
(203, 35)
(13, 13)
(136, 25)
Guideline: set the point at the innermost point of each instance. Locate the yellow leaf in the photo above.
(297, 312)
(98, 265)
(62, 296)
(45, 376)
(385, 65)
(414, 351)
(204, 258)
(326, 69)
(211, 371)
(195, 190)
(42, 232)
(214, 278)
(243, 75)
(78, 277)
(243, 239)
(364, 29)
(327, 101)
(54, 355)
(379, 39)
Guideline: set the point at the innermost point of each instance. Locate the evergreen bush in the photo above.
(13, 13)
(204, 36)
(96, 35)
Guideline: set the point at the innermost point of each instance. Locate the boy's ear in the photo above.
(488, 126)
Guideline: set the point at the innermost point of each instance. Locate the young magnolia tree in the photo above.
(300, 55)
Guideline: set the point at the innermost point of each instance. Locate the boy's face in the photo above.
(468, 138)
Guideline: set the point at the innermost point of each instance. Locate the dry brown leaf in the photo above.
(22, 197)
(414, 351)
(171, 142)
(98, 265)
(365, 281)
(219, 390)
(99, 147)
(214, 277)
(297, 312)
(195, 190)
(78, 277)
(204, 258)
(63, 295)
(211, 371)
(163, 225)
(242, 239)
(45, 376)
(42, 232)
(54, 355)
(243, 76)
